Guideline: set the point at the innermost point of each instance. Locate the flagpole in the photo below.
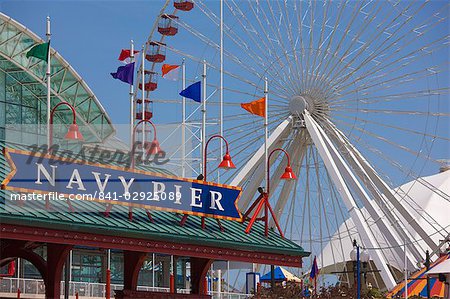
(266, 129)
(183, 124)
(48, 34)
(132, 116)
(221, 83)
(143, 101)
(203, 114)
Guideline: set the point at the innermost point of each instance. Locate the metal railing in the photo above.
(36, 287)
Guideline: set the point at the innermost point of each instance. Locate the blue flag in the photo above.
(193, 92)
(125, 73)
(314, 270)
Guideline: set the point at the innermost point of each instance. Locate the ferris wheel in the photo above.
(357, 95)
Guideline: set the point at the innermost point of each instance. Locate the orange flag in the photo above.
(169, 71)
(257, 107)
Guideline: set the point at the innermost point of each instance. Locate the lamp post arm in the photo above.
(268, 166)
(206, 152)
(74, 120)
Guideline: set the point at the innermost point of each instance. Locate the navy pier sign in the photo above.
(43, 174)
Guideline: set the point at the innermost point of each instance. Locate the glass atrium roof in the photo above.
(66, 84)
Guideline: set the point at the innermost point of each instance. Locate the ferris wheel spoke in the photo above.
(275, 44)
(366, 45)
(252, 34)
(399, 112)
(334, 29)
(402, 96)
(400, 64)
(244, 146)
(352, 49)
(384, 124)
(285, 50)
(289, 25)
(382, 48)
(337, 49)
(242, 44)
(409, 173)
(390, 142)
(318, 57)
(414, 205)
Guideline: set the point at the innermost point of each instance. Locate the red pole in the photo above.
(18, 293)
(108, 284)
(315, 286)
(205, 290)
(172, 283)
(76, 295)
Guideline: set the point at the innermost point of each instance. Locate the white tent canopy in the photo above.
(424, 201)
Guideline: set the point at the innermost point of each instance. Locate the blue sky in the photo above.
(90, 35)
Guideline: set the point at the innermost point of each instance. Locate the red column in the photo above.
(199, 268)
(132, 261)
(56, 258)
(108, 284)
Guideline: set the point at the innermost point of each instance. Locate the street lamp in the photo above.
(357, 257)
(226, 161)
(155, 148)
(263, 199)
(225, 164)
(73, 133)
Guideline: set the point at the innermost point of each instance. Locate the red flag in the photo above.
(257, 107)
(125, 53)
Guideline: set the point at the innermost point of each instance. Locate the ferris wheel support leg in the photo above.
(355, 213)
(280, 132)
(388, 193)
(297, 156)
(371, 206)
(388, 224)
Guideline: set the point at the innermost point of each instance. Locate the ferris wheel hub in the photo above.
(298, 104)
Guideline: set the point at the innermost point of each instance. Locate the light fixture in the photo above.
(288, 174)
(226, 162)
(74, 133)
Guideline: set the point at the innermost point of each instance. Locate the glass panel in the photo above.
(29, 116)
(13, 114)
(28, 98)
(86, 266)
(116, 267)
(13, 90)
(2, 86)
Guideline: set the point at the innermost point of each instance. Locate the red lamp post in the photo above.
(226, 161)
(263, 199)
(155, 148)
(73, 133)
(225, 164)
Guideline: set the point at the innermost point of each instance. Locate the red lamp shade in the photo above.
(288, 174)
(155, 148)
(226, 162)
(74, 133)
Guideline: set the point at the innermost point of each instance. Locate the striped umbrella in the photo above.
(417, 284)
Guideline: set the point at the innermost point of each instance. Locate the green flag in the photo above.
(40, 51)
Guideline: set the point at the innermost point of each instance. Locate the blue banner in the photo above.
(44, 174)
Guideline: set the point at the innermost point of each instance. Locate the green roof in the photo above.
(164, 228)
